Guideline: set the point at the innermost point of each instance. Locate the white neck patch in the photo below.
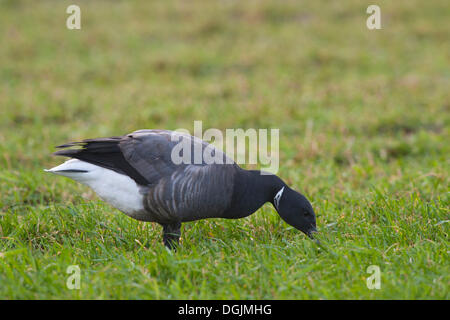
(276, 200)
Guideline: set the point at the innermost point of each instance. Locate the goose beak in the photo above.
(311, 232)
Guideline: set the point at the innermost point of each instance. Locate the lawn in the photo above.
(364, 134)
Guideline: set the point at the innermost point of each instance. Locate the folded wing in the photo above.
(144, 155)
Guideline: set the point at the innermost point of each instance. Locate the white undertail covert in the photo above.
(117, 189)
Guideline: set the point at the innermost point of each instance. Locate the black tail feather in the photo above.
(104, 152)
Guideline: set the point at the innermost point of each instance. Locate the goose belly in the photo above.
(121, 192)
(197, 192)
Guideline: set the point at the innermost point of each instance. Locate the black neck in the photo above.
(251, 190)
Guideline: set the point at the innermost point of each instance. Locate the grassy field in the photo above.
(364, 133)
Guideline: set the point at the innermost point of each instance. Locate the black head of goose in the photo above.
(136, 174)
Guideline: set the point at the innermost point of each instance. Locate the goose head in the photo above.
(296, 210)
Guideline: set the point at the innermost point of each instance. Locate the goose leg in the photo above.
(171, 234)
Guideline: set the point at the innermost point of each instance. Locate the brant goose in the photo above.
(135, 174)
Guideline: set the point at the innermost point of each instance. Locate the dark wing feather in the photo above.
(144, 155)
(104, 152)
(150, 152)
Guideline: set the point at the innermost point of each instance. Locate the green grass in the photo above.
(364, 130)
